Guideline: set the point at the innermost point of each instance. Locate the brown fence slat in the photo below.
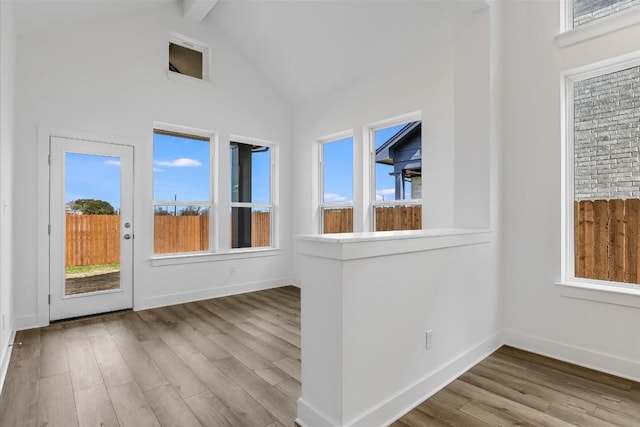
(589, 255)
(631, 223)
(616, 240)
(600, 240)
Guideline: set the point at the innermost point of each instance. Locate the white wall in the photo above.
(604, 336)
(7, 136)
(108, 78)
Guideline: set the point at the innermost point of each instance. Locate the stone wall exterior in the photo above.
(585, 11)
(607, 136)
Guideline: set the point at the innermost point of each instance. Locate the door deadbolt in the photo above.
(127, 225)
(127, 236)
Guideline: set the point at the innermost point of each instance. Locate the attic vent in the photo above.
(188, 57)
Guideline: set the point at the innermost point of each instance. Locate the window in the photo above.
(397, 176)
(188, 57)
(336, 180)
(586, 11)
(603, 174)
(181, 192)
(251, 195)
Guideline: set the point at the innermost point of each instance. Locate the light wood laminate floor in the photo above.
(232, 361)
(235, 361)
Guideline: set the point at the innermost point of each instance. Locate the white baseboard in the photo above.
(403, 401)
(5, 357)
(184, 297)
(309, 416)
(603, 362)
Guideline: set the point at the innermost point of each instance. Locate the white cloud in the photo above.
(179, 163)
(385, 193)
(158, 170)
(112, 162)
(333, 197)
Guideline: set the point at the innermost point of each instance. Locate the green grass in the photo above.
(91, 268)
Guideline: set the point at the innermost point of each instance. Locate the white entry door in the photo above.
(91, 227)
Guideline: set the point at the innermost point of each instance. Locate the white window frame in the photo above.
(192, 44)
(322, 205)
(211, 204)
(570, 35)
(370, 135)
(570, 285)
(273, 206)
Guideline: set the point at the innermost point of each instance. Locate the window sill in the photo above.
(600, 291)
(209, 257)
(610, 24)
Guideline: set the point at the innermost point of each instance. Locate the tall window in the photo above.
(181, 192)
(604, 174)
(336, 158)
(251, 195)
(586, 11)
(397, 176)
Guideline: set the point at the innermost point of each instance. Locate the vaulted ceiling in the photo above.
(303, 47)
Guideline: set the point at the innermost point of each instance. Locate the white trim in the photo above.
(321, 204)
(192, 258)
(601, 291)
(403, 401)
(212, 139)
(351, 246)
(608, 363)
(595, 290)
(6, 358)
(274, 185)
(193, 44)
(44, 135)
(600, 27)
(203, 294)
(369, 138)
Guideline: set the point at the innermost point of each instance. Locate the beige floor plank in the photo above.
(131, 407)
(82, 363)
(169, 407)
(142, 367)
(273, 400)
(211, 412)
(18, 407)
(53, 358)
(229, 392)
(111, 363)
(290, 366)
(26, 344)
(179, 375)
(56, 403)
(94, 407)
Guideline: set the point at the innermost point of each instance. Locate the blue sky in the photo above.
(92, 177)
(338, 169)
(180, 170)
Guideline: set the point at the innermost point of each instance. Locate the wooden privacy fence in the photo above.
(92, 240)
(340, 220)
(337, 220)
(606, 243)
(95, 239)
(398, 218)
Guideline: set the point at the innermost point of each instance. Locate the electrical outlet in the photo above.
(232, 270)
(429, 339)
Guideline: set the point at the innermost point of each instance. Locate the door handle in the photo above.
(127, 236)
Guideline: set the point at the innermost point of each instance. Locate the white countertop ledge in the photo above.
(351, 246)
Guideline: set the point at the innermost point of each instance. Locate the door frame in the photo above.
(41, 317)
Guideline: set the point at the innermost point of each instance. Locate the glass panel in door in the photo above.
(92, 223)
